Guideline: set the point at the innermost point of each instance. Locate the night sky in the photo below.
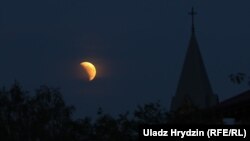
(138, 47)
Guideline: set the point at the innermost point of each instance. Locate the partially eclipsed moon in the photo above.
(90, 69)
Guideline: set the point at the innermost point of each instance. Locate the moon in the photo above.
(90, 69)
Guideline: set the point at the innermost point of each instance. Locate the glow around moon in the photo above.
(90, 70)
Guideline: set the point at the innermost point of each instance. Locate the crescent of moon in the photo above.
(90, 69)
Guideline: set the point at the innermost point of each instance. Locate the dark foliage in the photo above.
(44, 116)
(41, 117)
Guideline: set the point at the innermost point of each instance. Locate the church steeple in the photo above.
(193, 82)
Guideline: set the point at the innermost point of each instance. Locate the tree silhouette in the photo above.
(50, 114)
(237, 78)
(14, 110)
(151, 113)
(44, 116)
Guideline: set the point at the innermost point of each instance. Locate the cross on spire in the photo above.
(192, 13)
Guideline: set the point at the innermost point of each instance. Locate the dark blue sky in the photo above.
(138, 47)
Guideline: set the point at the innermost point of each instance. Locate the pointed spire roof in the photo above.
(193, 81)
